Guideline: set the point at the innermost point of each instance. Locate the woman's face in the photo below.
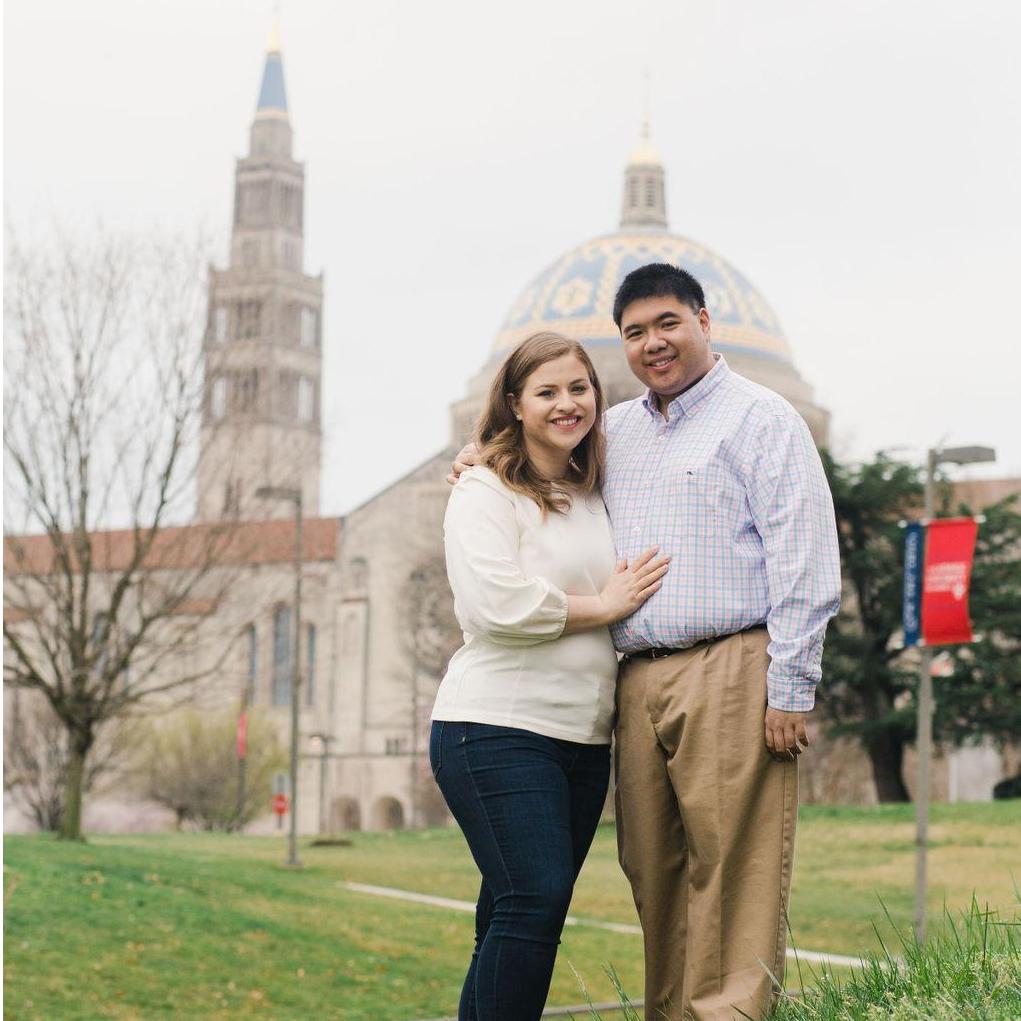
(557, 406)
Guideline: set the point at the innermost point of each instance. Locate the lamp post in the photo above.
(923, 740)
(418, 580)
(324, 754)
(295, 497)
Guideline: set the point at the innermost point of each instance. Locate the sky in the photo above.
(859, 163)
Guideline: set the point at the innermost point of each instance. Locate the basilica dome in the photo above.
(574, 296)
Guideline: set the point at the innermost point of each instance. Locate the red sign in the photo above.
(242, 735)
(280, 804)
(946, 580)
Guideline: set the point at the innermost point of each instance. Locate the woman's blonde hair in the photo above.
(500, 435)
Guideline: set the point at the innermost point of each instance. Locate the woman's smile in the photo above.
(567, 422)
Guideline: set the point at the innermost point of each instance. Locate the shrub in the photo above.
(191, 767)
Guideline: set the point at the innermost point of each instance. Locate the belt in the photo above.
(662, 653)
(652, 653)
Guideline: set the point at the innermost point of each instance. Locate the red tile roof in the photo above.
(230, 544)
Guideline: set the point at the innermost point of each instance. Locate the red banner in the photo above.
(946, 580)
(242, 735)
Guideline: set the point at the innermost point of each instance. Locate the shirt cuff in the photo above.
(790, 694)
(562, 610)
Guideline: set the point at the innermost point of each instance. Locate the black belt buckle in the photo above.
(662, 653)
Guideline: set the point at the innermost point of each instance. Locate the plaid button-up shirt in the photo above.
(731, 486)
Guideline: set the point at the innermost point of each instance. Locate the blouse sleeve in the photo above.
(493, 599)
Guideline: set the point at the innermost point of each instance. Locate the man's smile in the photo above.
(661, 363)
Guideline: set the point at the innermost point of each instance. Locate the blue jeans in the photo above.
(528, 806)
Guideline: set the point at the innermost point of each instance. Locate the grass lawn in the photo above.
(206, 926)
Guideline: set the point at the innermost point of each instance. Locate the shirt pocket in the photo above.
(710, 500)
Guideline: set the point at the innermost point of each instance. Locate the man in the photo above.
(720, 666)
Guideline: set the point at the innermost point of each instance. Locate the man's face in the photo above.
(666, 343)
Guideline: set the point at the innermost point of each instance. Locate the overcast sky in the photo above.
(859, 163)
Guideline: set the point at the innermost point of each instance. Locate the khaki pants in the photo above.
(705, 829)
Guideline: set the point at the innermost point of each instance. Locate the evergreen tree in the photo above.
(870, 681)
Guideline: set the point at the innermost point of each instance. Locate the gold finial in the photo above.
(273, 43)
(645, 153)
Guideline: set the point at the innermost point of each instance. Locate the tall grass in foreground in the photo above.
(972, 972)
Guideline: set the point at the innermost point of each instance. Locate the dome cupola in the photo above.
(644, 200)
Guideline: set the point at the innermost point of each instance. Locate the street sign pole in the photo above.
(924, 746)
(926, 704)
(923, 740)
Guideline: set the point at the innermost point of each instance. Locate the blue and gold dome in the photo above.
(574, 296)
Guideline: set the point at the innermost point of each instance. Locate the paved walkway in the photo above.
(811, 956)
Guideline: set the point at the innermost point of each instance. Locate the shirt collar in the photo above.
(684, 402)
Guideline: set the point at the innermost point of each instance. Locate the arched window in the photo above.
(282, 655)
(100, 643)
(387, 814)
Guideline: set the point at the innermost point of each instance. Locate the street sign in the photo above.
(946, 580)
(914, 541)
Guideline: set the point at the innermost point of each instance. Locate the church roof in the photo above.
(574, 295)
(246, 543)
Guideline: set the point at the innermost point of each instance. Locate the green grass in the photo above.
(184, 926)
(970, 971)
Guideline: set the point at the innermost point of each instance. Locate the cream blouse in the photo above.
(511, 571)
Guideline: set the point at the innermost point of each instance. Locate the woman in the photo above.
(521, 727)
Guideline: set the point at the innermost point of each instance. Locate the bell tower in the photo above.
(263, 343)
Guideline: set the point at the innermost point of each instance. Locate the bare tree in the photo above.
(102, 402)
(36, 759)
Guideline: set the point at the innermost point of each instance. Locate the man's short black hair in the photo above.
(658, 280)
